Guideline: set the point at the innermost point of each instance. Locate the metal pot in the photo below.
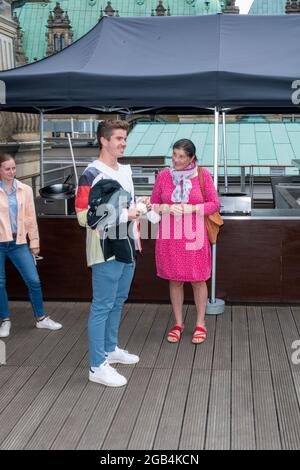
(58, 191)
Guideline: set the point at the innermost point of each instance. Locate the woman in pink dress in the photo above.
(183, 251)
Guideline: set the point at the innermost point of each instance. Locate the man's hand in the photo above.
(133, 213)
(35, 251)
(145, 200)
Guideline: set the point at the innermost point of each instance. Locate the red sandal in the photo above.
(175, 334)
(199, 335)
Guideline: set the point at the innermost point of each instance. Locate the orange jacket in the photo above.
(27, 223)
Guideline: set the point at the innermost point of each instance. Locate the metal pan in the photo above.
(59, 190)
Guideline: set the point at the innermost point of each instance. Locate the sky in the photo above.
(244, 5)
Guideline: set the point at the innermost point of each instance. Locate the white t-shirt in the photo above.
(124, 177)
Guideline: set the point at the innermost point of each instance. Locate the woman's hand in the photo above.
(177, 209)
(162, 208)
(181, 209)
(35, 251)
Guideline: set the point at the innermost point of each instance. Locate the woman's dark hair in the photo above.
(5, 157)
(187, 146)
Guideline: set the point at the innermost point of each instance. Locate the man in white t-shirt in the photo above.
(111, 279)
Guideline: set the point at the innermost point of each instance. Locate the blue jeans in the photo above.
(111, 284)
(22, 258)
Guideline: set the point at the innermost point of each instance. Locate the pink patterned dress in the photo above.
(178, 256)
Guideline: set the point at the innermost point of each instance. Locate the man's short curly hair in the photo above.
(106, 128)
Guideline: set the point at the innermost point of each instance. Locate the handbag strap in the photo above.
(201, 182)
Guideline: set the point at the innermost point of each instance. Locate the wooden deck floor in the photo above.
(238, 390)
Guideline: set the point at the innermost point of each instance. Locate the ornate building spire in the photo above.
(292, 6)
(59, 33)
(230, 7)
(160, 9)
(20, 56)
(108, 10)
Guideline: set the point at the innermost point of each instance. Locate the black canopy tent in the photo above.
(188, 64)
(225, 61)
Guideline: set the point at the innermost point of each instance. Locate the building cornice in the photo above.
(7, 26)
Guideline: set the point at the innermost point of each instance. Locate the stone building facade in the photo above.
(7, 36)
(13, 126)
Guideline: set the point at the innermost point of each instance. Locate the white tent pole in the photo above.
(216, 147)
(41, 148)
(72, 127)
(91, 128)
(216, 155)
(73, 159)
(215, 306)
(225, 151)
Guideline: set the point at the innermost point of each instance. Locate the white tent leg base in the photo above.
(215, 308)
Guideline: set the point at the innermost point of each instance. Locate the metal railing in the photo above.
(243, 177)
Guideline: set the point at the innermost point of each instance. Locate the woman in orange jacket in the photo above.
(17, 221)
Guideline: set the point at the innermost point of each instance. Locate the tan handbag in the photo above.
(214, 221)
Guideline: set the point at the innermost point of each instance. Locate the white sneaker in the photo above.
(48, 324)
(121, 356)
(5, 328)
(106, 375)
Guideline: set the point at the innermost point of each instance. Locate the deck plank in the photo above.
(80, 416)
(54, 420)
(205, 352)
(169, 429)
(186, 350)
(30, 420)
(36, 356)
(194, 423)
(123, 423)
(32, 401)
(218, 434)
(242, 426)
(286, 398)
(100, 418)
(142, 327)
(155, 338)
(144, 432)
(168, 351)
(219, 411)
(267, 431)
(31, 338)
(129, 322)
(238, 390)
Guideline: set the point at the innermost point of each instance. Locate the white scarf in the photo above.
(182, 182)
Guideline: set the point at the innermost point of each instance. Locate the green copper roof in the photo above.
(268, 7)
(272, 144)
(84, 14)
